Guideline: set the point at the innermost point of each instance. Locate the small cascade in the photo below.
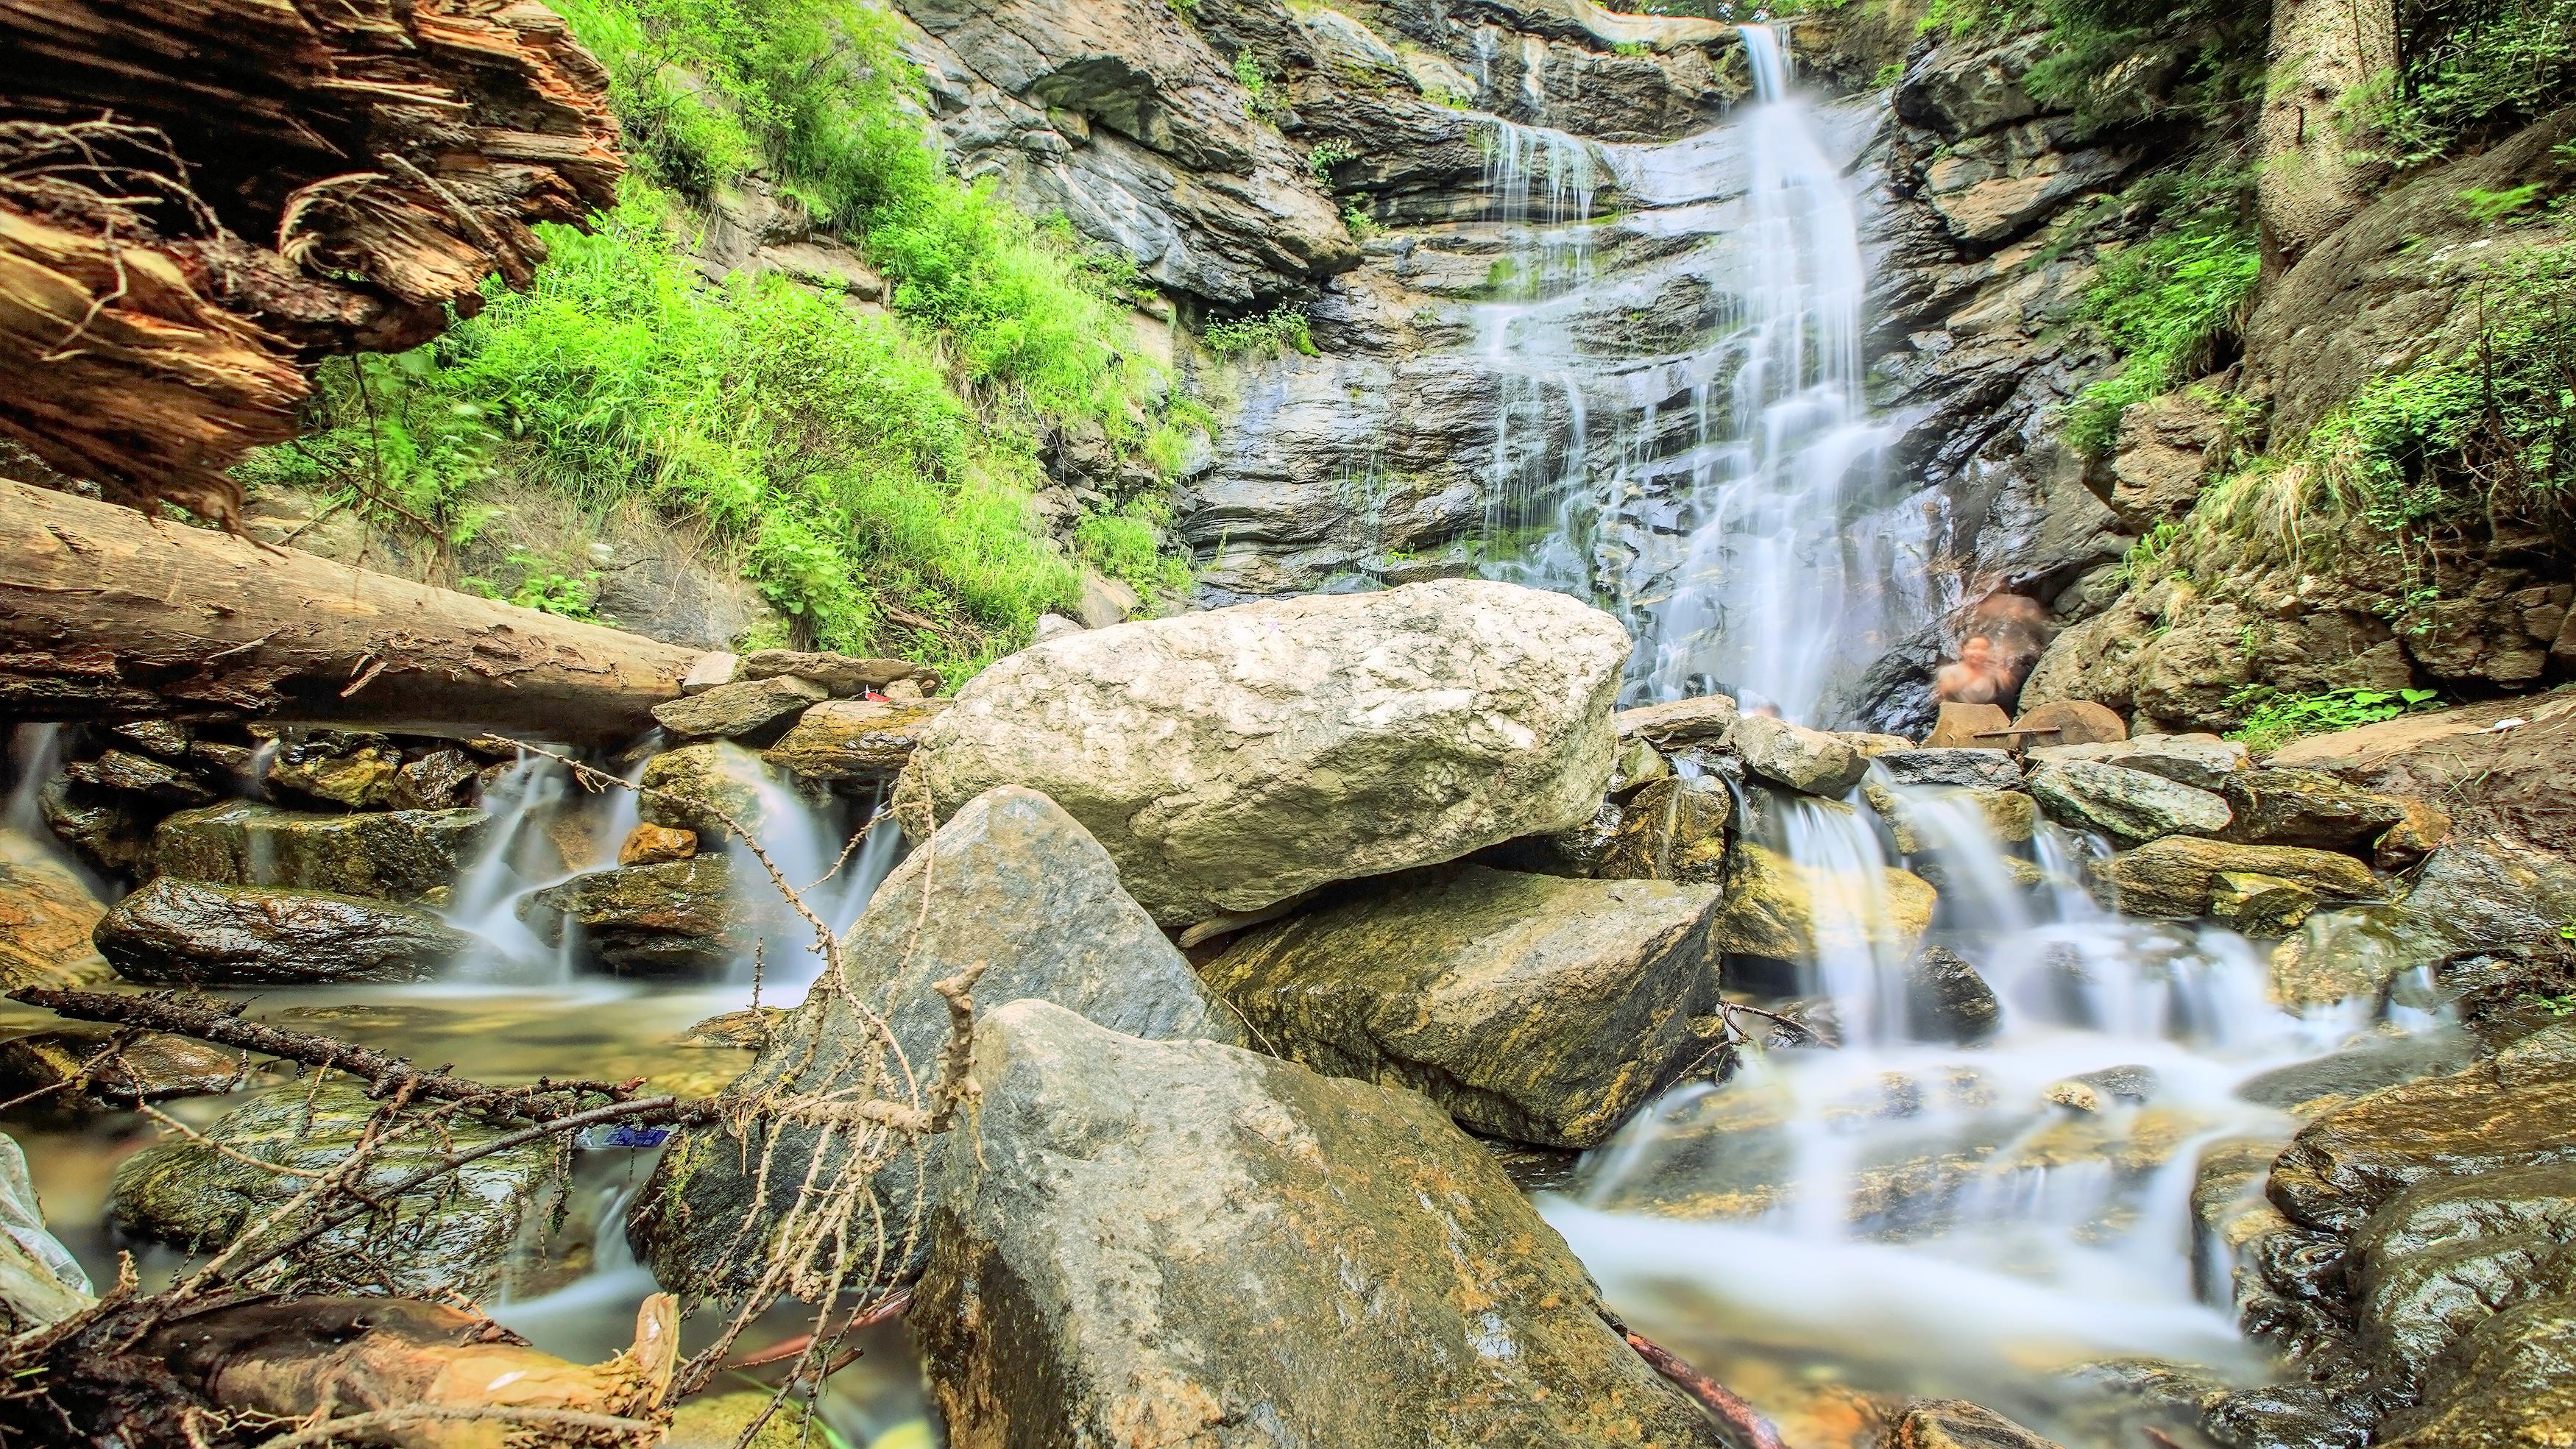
(35, 753)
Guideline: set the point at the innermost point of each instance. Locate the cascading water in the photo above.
(1903, 1214)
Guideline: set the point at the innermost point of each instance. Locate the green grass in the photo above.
(2472, 70)
(2274, 717)
(2165, 304)
(871, 475)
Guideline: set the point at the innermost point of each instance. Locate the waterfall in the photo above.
(1727, 498)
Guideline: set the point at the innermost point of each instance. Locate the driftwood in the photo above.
(195, 197)
(106, 614)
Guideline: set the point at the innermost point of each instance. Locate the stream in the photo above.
(1898, 1216)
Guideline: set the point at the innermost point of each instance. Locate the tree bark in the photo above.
(106, 614)
(198, 195)
(2315, 172)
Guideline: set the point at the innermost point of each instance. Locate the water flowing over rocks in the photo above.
(1230, 760)
(1532, 1007)
(1014, 882)
(681, 917)
(1778, 908)
(701, 786)
(1148, 1242)
(181, 931)
(454, 1236)
(47, 915)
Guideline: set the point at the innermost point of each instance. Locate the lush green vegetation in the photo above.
(2471, 70)
(2274, 717)
(872, 473)
(2117, 61)
(2167, 304)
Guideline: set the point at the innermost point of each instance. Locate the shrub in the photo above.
(2167, 304)
(2275, 717)
(1282, 326)
(2471, 70)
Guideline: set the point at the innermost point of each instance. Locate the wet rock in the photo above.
(1673, 829)
(750, 708)
(398, 855)
(47, 915)
(656, 845)
(2447, 1253)
(2175, 877)
(2475, 894)
(1945, 998)
(2353, 1072)
(110, 831)
(749, 1029)
(1532, 1007)
(843, 674)
(2418, 833)
(167, 738)
(153, 1067)
(1639, 764)
(177, 931)
(675, 918)
(1578, 852)
(1958, 1424)
(133, 774)
(1940, 872)
(1778, 908)
(2093, 1091)
(459, 1236)
(1965, 768)
(1706, 720)
(698, 787)
(2266, 907)
(2131, 806)
(441, 779)
(1095, 1267)
(1034, 897)
(40, 1281)
(355, 771)
(2072, 722)
(1806, 760)
(1232, 759)
(854, 739)
(2309, 808)
(1926, 819)
(2204, 762)
(2508, 1113)
(2510, 1383)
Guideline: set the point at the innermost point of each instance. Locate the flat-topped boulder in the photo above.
(1161, 1243)
(177, 931)
(398, 855)
(1806, 760)
(742, 709)
(2310, 808)
(1235, 758)
(1532, 1007)
(2175, 877)
(849, 740)
(2204, 762)
(1967, 768)
(1016, 884)
(1702, 721)
(2131, 806)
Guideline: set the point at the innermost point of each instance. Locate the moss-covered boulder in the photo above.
(353, 770)
(1014, 883)
(1152, 1243)
(462, 1233)
(1671, 829)
(698, 787)
(1532, 1007)
(2307, 807)
(671, 918)
(2130, 806)
(854, 740)
(2176, 877)
(1779, 908)
(176, 931)
(398, 855)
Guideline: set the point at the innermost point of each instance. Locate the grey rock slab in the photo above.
(1155, 1243)
(1014, 882)
(1232, 759)
(394, 854)
(854, 739)
(182, 931)
(1971, 769)
(2129, 805)
(1807, 760)
(2204, 762)
(1532, 1007)
(731, 711)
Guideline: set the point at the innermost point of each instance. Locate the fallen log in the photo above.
(195, 198)
(106, 614)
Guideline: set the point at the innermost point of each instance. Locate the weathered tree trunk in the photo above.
(196, 195)
(108, 614)
(2315, 172)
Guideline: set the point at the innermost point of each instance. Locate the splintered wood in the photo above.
(197, 198)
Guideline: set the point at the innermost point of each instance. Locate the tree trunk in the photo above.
(2315, 172)
(108, 614)
(196, 197)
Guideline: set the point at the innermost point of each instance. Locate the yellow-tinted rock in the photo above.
(654, 844)
(1776, 907)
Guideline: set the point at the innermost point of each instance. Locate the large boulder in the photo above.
(399, 855)
(2174, 877)
(2204, 762)
(455, 1235)
(668, 918)
(177, 931)
(1232, 759)
(846, 740)
(1532, 1007)
(1672, 829)
(1018, 885)
(47, 917)
(699, 787)
(2476, 893)
(2307, 807)
(2131, 806)
(1145, 1243)
(1802, 759)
